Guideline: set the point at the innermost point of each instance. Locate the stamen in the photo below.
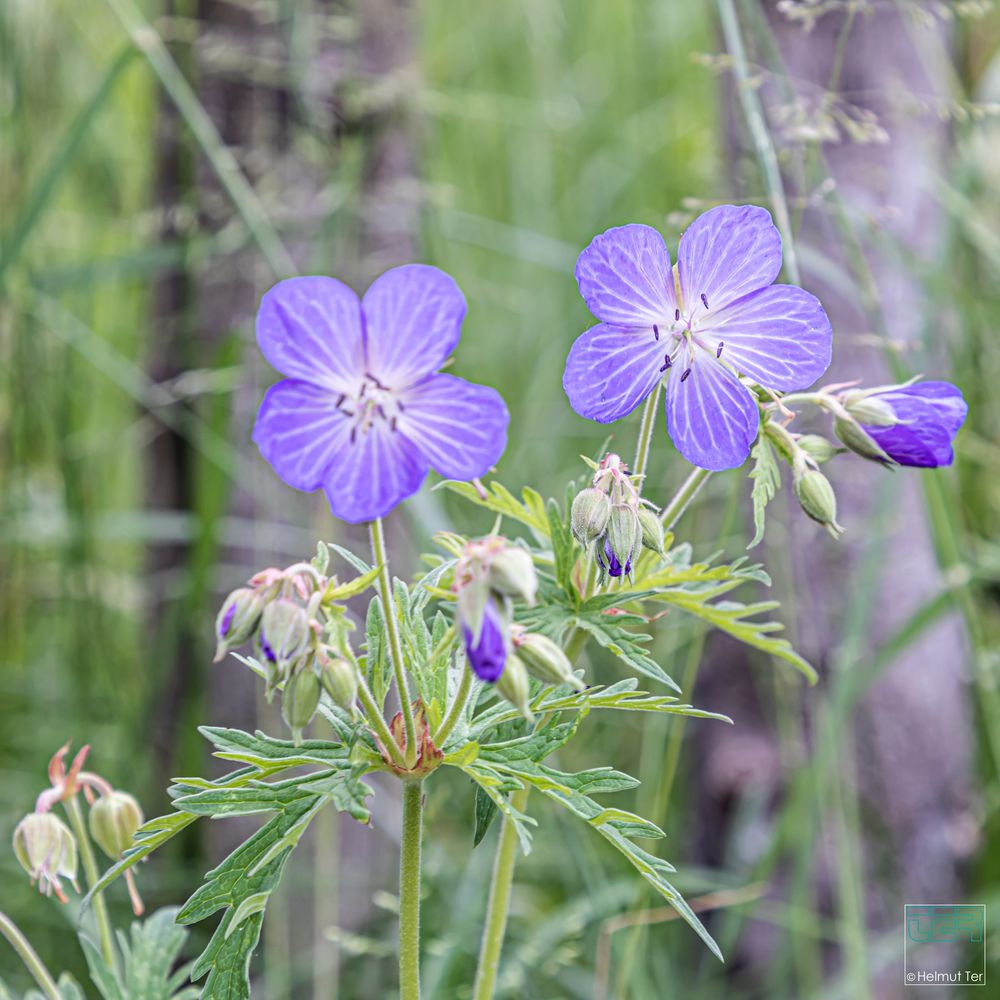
(379, 410)
(718, 350)
(354, 431)
(704, 300)
(392, 424)
(364, 387)
(340, 400)
(374, 379)
(687, 371)
(677, 315)
(656, 331)
(399, 406)
(666, 363)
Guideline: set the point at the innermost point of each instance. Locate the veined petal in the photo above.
(930, 402)
(780, 336)
(727, 253)
(372, 474)
(413, 318)
(610, 371)
(711, 417)
(310, 329)
(931, 414)
(300, 431)
(625, 278)
(459, 427)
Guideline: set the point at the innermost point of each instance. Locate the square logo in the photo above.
(961, 925)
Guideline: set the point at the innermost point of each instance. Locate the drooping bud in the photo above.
(340, 682)
(515, 687)
(487, 653)
(589, 514)
(859, 441)
(46, 849)
(546, 661)
(512, 573)
(299, 700)
(624, 537)
(284, 632)
(237, 620)
(652, 530)
(817, 447)
(816, 496)
(114, 818)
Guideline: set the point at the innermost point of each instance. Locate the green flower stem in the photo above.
(671, 514)
(395, 648)
(499, 903)
(409, 892)
(29, 956)
(646, 433)
(374, 719)
(457, 707)
(75, 813)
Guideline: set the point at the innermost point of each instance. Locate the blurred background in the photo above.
(163, 162)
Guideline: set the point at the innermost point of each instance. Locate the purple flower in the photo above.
(614, 567)
(930, 414)
(363, 412)
(487, 654)
(729, 320)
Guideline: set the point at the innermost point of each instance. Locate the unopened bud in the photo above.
(284, 631)
(870, 410)
(624, 535)
(589, 514)
(237, 620)
(546, 661)
(340, 682)
(46, 849)
(512, 573)
(652, 530)
(860, 442)
(817, 447)
(515, 687)
(300, 699)
(114, 818)
(816, 496)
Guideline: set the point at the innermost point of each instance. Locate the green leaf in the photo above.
(609, 632)
(766, 476)
(486, 812)
(352, 588)
(263, 751)
(564, 550)
(530, 512)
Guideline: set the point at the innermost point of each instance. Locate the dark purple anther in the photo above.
(656, 331)
(340, 400)
(666, 363)
(677, 315)
(392, 424)
(364, 389)
(718, 350)
(704, 300)
(354, 433)
(227, 620)
(687, 371)
(488, 656)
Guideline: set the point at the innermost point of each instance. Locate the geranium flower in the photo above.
(487, 652)
(727, 320)
(364, 413)
(929, 415)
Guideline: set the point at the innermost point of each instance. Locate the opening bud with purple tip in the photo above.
(113, 820)
(624, 537)
(515, 686)
(46, 849)
(284, 632)
(237, 620)
(545, 660)
(852, 434)
(589, 514)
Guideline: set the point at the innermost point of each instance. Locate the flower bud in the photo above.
(237, 620)
(652, 530)
(487, 652)
(816, 496)
(512, 573)
(300, 699)
(870, 410)
(114, 818)
(546, 661)
(340, 682)
(515, 687)
(589, 514)
(817, 447)
(46, 849)
(859, 441)
(624, 536)
(284, 631)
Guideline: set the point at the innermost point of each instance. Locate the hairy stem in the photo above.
(646, 433)
(499, 903)
(671, 514)
(75, 813)
(409, 891)
(29, 957)
(456, 709)
(381, 560)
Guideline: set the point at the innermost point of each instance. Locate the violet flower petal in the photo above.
(459, 427)
(300, 431)
(931, 414)
(310, 329)
(610, 371)
(625, 278)
(711, 417)
(780, 336)
(488, 655)
(727, 253)
(413, 317)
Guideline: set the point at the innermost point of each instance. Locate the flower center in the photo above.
(681, 336)
(372, 402)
